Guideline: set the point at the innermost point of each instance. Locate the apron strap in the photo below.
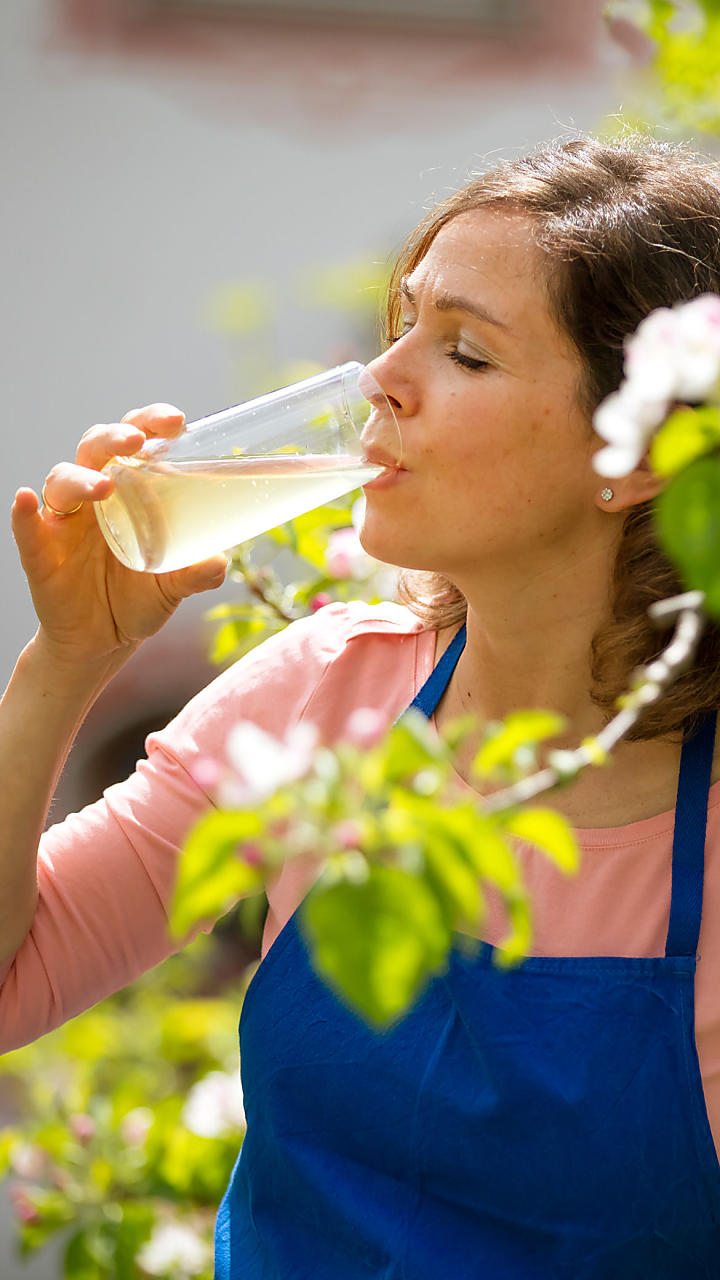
(434, 687)
(688, 859)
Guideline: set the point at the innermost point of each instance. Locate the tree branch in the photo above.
(647, 685)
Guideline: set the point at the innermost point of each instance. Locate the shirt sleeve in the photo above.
(106, 874)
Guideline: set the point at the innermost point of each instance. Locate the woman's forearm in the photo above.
(41, 711)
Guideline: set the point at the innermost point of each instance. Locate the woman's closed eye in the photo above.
(459, 357)
(467, 362)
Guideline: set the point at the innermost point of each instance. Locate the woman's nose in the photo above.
(389, 371)
(381, 433)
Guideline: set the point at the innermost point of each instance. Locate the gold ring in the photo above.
(54, 510)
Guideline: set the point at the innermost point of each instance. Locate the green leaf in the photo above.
(79, 1260)
(129, 1233)
(516, 945)
(687, 434)
(417, 823)
(211, 877)
(504, 740)
(234, 639)
(227, 638)
(688, 522)
(549, 831)
(410, 745)
(376, 944)
(490, 852)
(452, 878)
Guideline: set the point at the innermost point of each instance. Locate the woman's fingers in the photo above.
(107, 440)
(157, 419)
(111, 439)
(29, 530)
(206, 575)
(68, 485)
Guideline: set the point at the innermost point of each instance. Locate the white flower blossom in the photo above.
(262, 763)
(174, 1250)
(214, 1106)
(673, 357)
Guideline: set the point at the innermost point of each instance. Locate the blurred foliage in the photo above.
(287, 573)
(675, 44)
(103, 1151)
(403, 848)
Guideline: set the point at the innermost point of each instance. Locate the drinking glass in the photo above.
(235, 474)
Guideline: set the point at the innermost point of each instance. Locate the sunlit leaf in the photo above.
(549, 831)
(79, 1262)
(489, 852)
(515, 946)
(376, 943)
(506, 739)
(688, 521)
(687, 434)
(211, 876)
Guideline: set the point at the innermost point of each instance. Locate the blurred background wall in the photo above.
(178, 171)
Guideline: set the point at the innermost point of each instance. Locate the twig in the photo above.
(259, 586)
(647, 685)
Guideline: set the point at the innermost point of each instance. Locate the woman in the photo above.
(550, 1122)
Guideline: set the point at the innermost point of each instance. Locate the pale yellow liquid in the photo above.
(165, 515)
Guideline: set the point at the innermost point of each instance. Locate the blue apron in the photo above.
(546, 1123)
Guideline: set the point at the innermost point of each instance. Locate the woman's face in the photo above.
(496, 449)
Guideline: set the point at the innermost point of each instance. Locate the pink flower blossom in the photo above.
(252, 854)
(23, 1206)
(365, 726)
(82, 1127)
(136, 1125)
(27, 1160)
(348, 833)
(206, 773)
(345, 558)
(320, 600)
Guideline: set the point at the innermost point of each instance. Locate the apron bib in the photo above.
(542, 1123)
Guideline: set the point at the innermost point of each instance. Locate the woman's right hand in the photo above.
(90, 606)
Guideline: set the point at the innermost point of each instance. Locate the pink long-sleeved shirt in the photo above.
(106, 874)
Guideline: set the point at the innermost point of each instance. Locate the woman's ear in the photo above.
(640, 485)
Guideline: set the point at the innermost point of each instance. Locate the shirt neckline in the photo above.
(632, 833)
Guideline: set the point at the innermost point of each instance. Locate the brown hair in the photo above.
(627, 227)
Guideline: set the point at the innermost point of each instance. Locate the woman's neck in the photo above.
(510, 663)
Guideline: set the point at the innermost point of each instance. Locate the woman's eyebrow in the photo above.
(452, 302)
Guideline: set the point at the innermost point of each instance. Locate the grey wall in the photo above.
(132, 189)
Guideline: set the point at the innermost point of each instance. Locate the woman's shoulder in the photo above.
(274, 683)
(339, 628)
(357, 617)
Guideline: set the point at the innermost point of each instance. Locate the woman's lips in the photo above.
(390, 474)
